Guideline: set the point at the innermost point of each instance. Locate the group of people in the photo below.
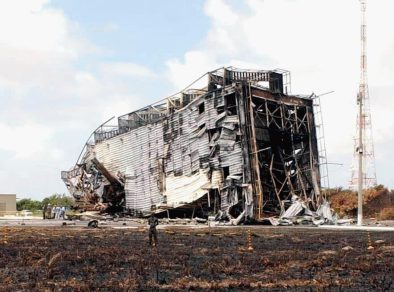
(53, 212)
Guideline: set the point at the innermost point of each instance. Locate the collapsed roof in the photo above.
(241, 146)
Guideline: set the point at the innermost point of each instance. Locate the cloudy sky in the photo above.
(68, 65)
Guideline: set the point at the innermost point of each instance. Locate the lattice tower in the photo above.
(364, 124)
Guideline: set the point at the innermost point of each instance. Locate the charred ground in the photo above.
(75, 259)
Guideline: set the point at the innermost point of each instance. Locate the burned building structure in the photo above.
(240, 146)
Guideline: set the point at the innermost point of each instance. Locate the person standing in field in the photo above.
(153, 222)
(62, 212)
(44, 211)
(57, 212)
(53, 212)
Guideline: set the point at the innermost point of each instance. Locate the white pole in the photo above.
(360, 164)
(361, 97)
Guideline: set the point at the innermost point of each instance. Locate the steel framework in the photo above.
(363, 152)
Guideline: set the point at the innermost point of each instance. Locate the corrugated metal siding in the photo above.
(184, 143)
(186, 189)
(135, 154)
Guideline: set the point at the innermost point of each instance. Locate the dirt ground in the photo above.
(105, 259)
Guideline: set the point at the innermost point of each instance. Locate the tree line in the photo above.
(34, 205)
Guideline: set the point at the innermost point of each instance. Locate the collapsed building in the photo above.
(240, 146)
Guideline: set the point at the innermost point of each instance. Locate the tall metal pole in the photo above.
(361, 98)
(360, 164)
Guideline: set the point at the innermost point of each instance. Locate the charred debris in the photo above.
(240, 148)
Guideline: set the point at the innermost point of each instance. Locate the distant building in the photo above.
(7, 204)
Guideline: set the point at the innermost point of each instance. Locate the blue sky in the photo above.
(149, 32)
(68, 65)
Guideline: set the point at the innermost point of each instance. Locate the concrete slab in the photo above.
(355, 227)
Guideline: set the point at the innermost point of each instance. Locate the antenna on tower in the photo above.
(363, 170)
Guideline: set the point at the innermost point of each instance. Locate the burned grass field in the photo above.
(68, 259)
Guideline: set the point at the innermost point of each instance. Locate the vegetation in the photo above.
(28, 204)
(58, 200)
(387, 214)
(378, 202)
(34, 205)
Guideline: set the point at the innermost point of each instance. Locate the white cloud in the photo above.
(319, 42)
(39, 51)
(34, 27)
(196, 63)
(47, 99)
(26, 141)
(37, 46)
(24, 25)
